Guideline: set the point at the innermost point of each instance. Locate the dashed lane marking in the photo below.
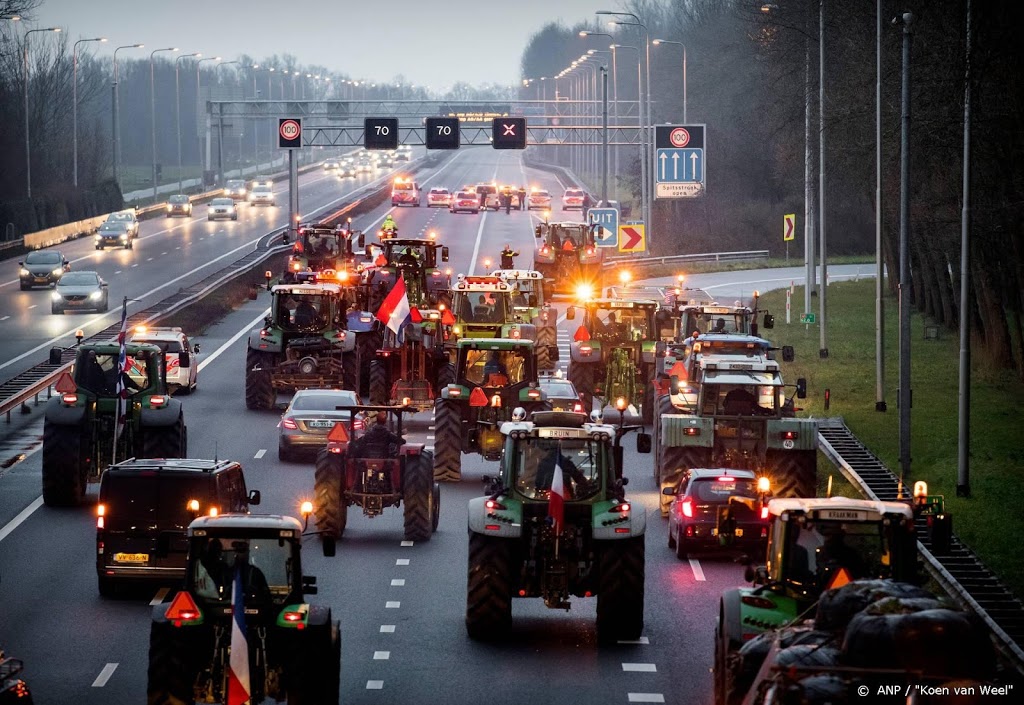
(387, 629)
(646, 697)
(104, 676)
(402, 561)
(381, 655)
(698, 572)
(407, 543)
(392, 605)
(639, 667)
(642, 640)
(159, 597)
(33, 306)
(378, 685)
(260, 453)
(4, 318)
(398, 582)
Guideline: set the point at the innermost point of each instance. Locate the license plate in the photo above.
(842, 515)
(738, 533)
(73, 303)
(321, 424)
(41, 279)
(131, 557)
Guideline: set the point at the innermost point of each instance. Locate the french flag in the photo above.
(238, 667)
(395, 311)
(556, 503)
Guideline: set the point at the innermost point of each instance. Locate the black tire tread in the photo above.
(447, 441)
(164, 441)
(489, 587)
(581, 374)
(63, 484)
(168, 681)
(620, 596)
(259, 391)
(418, 496)
(329, 507)
(379, 391)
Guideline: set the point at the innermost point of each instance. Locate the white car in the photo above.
(262, 195)
(221, 208)
(180, 354)
(128, 218)
(573, 199)
(439, 197)
(539, 199)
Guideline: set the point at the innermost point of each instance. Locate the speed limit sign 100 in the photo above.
(289, 133)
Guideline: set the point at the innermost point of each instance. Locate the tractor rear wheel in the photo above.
(489, 588)
(447, 441)
(314, 673)
(171, 676)
(647, 410)
(620, 591)
(793, 473)
(64, 465)
(581, 374)
(350, 371)
(445, 376)
(674, 462)
(418, 496)
(379, 391)
(546, 337)
(367, 345)
(259, 389)
(663, 405)
(329, 504)
(164, 441)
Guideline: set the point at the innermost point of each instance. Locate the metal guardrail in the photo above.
(737, 256)
(958, 572)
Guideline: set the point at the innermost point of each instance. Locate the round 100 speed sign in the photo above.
(290, 133)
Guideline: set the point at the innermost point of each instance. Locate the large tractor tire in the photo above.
(620, 591)
(314, 673)
(647, 405)
(418, 497)
(445, 376)
(489, 588)
(379, 392)
(793, 473)
(329, 506)
(164, 441)
(350, 371)
(367, 345)
(64, 465)
(581, 374)
(674, 462)
(546, 337)
(663, 405)
(171, 674)
(259, 389)
(447, 441)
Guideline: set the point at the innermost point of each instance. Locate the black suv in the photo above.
(145, 507)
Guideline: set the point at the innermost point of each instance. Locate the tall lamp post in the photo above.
(28, 148)
(659, 42)
(205, 163)
(177, 107)
(220, 126)
(116, 126)
(152, 108)
(639, 110)
(74, 106)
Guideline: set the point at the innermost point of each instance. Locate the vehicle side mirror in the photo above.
(55, 355)
(801, 388)
(444, 254)
(643, 443)
(532, 300)
(769, 321)
(669, 491)
(536, 231)
(104, 285)
(788, 354)
(329, 546)
(284, 237)
(254, 497)
(570, 314)
(553, 353)
(21, 264)
(184, 359)
(309, 585)
(195, 348)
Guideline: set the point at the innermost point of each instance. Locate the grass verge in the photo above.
(991, 521)
(673, 269)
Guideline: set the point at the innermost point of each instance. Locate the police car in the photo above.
(173, 341)
(405, 192)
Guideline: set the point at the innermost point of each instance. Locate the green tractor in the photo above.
(417, 261)
(293, 648)
(80, 436)
(813, 545)
(612, 355)
(492, 376)
(530, 304)
(319, 248)
(302, 345)
(528, 539)
(568, 257)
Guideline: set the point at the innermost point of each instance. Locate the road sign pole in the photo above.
(604, 135)
(293, 193)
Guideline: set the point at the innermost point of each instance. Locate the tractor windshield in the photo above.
(619, 324)
(495, 368)
(760, 397)
(815, 552)
(302, 311)
(97, 373)
(705, 321)
(486, 307)
(524, 289)
(578, 459)
(262, 564)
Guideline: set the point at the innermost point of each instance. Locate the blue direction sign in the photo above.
(679, 162)
(608, 220)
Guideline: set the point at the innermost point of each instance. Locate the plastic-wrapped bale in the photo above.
(745, 664)
(819, 689)
(807, 656)
(933, 641)
(838, 606)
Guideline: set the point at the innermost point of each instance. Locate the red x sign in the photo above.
(509, 129)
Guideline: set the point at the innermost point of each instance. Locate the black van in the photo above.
(145, 507)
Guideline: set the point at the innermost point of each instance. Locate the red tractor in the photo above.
(410, 371)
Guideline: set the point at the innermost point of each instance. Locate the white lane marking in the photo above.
(23, 514)
(163, 253)
(4, 318)
(402, 561)
(642, 640)
(431, 438)
(117, 271)
(260, 453)
(33, 306)
(640, 667)
(374, 685)
(159, 596)
(136, 265)
(387, 629)
(392, 605)
(698, 572)
(407, 543)
(104, 676)
(231, 341)
(178, 248)
(397, 582)
(476, 246)
(646, 697)
(149, 259)
(381, 655)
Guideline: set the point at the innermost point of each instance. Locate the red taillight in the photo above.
(764, 513)
(69, 399)
(691, 431)
(533, 394)
(101, 513)
(789, 435)
(578, 408)
(687, 505)
(492, 527)
(726, 478)
(292, 616)
(516, 334)
(494, 504)
(621, 507)
(289, 424)
(100, 523)
(157, 400)
(758, 602)
(544, 250)
(586, 349)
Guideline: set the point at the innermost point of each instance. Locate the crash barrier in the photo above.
(737, 256)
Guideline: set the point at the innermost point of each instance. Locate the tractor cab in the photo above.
(319, 247)
(488, 307)
(416, 261)
(305, 308)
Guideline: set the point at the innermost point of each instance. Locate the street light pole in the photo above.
(905, 398)
(28, 147)
(220, 127)
(658, 42)
(177, 108)
(203, 163)
(74, 106)
(152, 106)
(823, 254)
(116, 112)
(963, 474)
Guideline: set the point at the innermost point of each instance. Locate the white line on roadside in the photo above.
(23, 514)
(407, 543)
(260, 453)
(159, 596)
(104, 676)
(381, 655)
(392, 605)
(642, 640)
(374, 685)
(402, 561)
(232, 340)
(639, 667)
(33, 306)
(646, 697)
(387, 629)
(698, 572)
(398, 582)
(4, 318)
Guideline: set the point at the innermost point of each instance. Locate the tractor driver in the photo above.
(305, 313)
(494, 366)
(106, 367)
(546, 473)
(613, 329)
(835, 553)
(379, 441)
(409, 259)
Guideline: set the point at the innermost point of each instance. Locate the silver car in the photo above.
(128, 218)
(80, 291)
(262, 195)
(221, 208)
(310, 416)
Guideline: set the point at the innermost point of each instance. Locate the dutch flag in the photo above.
(122, 370)
(395, 311)
(238, 667)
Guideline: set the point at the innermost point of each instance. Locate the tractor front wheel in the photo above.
(546, 337)
(65, 468)
(418, 496)
(164, 441)
(489, 588)
(329, 506)
(447, 441)
(620, 592)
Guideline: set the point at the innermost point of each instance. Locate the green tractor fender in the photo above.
(57, 412)
(506, 523)
(318, 615)
(748, 611)
(590, 353)
(165, 415)
(730, 621)
(684, 430)
(271, 342)
(608, 525)
(792, 434)
(526, 331)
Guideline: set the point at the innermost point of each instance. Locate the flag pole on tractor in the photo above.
(122, 369)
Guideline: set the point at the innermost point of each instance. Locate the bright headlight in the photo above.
(95, 296)
(584, 292)
(57, 272)
(24, 272)
(55, 296)
(98, 236)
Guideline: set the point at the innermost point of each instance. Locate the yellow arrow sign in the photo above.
(789, 227)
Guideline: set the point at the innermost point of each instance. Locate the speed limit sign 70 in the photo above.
(289, 133)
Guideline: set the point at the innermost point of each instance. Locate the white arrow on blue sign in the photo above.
(680, 165)
(608, 220)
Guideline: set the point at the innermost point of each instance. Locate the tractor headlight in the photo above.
(584, 292)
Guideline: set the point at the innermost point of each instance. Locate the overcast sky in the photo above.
(430, 43)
